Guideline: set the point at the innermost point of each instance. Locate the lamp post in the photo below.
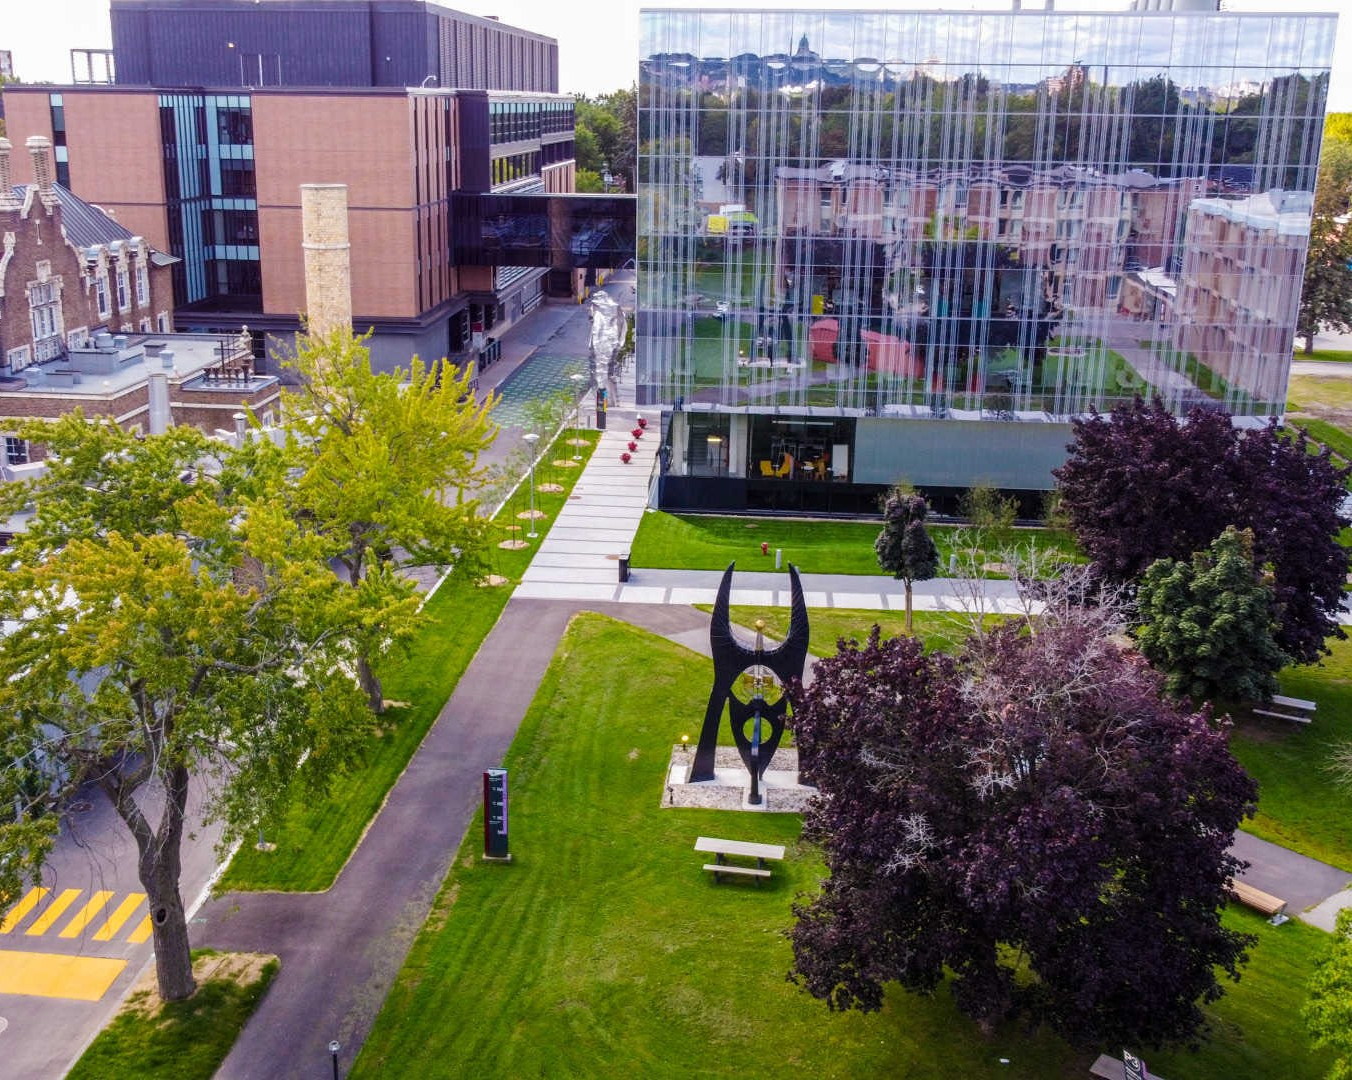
(577, 378)
(531, 439)
(333, 1053)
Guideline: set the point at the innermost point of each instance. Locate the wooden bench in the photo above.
(1264, 903)
(720, 849)
(719, 869)
(1297, 709)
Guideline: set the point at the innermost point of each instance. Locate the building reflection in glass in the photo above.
(985, 216)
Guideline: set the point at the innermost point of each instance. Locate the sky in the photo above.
(598, 50)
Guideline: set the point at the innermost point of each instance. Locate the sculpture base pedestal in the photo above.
(780, 791)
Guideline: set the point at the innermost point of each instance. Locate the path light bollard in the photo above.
(779, 557)
(334, 1047)
(531, 439)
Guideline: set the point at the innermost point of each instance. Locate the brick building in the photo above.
(86, 320)
(68, 270)
(407, 104)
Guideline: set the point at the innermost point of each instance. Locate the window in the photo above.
(16, 450)
(145, 326)
(19, 358)
(44, 310)
(162, 322)
(77, 338)
(101, 290)
(123, 290)
(142, 284)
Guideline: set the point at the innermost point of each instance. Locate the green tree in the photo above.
(166, 619)
(1328, 1011)
(989, 511)
(1208, 623)
(904, 547)
(1326, 298)
(605, 133)
(385, 463)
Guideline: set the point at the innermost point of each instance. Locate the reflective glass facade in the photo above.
(1008, 216)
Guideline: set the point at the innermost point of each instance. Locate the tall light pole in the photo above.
(531, 439)
(577, 378)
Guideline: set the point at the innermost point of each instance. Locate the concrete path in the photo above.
(342, 949)
(1302, 882)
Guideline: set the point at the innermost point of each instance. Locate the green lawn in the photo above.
(710, 542)
(1337, 356)
(185, 1039)
(603, 950)
(1335, 438)
(1305, 391)
(941, 630)
(317, 836)
(1299, 804)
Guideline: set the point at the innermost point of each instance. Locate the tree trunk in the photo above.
(370, 685)
(159, 866)
(169, 925)
(1309, 343)
(908, 605)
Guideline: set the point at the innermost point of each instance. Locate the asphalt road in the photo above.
(91, 882)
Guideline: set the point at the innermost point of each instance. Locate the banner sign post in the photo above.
(495, 814)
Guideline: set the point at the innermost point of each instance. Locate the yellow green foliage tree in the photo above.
(384, 463)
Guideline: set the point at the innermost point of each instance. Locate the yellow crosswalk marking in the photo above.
(86, 915)
(23, 907)
(85, 978)
(141, 932)
(58, 906)
(122, 913)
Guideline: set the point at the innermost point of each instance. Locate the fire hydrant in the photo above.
(765, 547)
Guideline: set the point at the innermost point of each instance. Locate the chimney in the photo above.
(8, 200)
(328, 272)
(161, 415)
(40, 147)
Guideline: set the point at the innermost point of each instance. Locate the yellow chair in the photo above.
(785, 467)
(766, 468)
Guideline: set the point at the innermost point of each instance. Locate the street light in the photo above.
(333, 1053)
(577, 377)
(531, 439)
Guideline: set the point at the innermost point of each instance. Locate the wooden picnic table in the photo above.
(744, 848)
(721, 849)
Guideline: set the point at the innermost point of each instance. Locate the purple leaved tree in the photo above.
(1034, 819)
(1139, 486)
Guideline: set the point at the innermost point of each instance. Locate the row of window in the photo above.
(123, 283)
(511, 121)
(513, 167)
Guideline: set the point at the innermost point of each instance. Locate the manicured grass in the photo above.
(1256, 1026)
(1336, 356)
(603, 949)
(939, 630)
(182, 1040)
(708, 542)
(1299, 805)
(317, 836)
(1305, 391)
(1335, 438)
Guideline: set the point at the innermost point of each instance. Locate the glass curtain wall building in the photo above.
(876, 246)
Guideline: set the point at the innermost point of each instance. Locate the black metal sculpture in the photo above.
(731, 659)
